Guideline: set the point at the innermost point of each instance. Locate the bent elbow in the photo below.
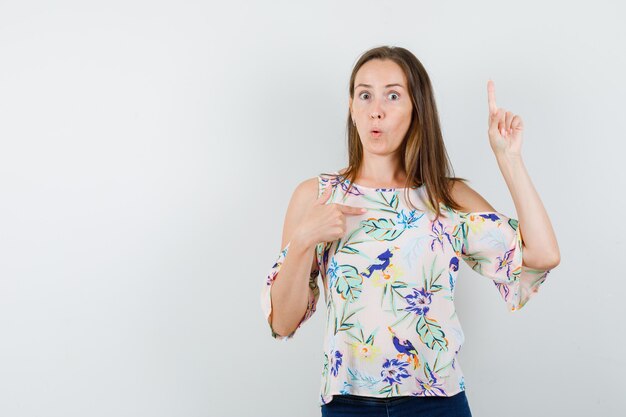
(544, 263)
(554, 260)
(541, 258)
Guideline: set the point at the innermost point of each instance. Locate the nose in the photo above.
(376, 112)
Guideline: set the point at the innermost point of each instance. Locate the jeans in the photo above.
(402, 406)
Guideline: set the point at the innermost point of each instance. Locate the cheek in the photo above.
(408, 111)
(403, 118)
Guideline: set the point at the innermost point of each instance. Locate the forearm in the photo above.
(290, 290)
(540, 248)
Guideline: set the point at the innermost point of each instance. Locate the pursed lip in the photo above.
(376, 129)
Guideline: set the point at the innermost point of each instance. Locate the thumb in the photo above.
(325, 195)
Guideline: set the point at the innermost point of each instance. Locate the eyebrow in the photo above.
(387, 86)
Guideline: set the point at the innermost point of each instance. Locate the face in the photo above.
(381, 102)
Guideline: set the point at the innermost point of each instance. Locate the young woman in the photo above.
(389, 261)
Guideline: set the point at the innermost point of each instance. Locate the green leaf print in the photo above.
(385, 390)
(458, 236)
(362, 380)
(390, 389)
(403, 318)
(392, 201)
(381, 229)
(326, 375)
(430, 284)
(343, 324)
(349, 283)
(387, 199)
(346, 246)
(476, 262)
(330, 308)
(431, 334)
(388, 203)
(440, 370)
(392, 290)
(361, 338)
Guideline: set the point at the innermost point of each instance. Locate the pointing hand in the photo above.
(505, 128)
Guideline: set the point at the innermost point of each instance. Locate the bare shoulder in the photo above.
(469, 199)
(306, 191)
(303, 196)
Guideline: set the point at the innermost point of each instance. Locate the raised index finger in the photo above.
(491, 96)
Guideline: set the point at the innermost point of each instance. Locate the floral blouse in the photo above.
(391, 324)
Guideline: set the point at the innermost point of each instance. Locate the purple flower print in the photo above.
(344, 183)
(417, 302)
(276, 267)
(454, 264)
(393, 371)
(505, 262)
(430, 387)
(335, 362)
(439, 235)
(338, 180)
(490, 216)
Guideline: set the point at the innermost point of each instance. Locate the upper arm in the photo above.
(303, 196)
(469, 199)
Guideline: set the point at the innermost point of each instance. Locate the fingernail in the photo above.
(363, 210)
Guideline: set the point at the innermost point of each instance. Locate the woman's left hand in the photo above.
(505, 128)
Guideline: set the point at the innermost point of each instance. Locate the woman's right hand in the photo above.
(325, 222)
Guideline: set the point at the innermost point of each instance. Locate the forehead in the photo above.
(379, 73)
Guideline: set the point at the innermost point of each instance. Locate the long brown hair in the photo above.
(422, 152)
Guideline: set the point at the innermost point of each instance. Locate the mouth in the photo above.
(376, 132)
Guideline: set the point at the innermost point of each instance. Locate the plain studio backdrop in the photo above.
(149, 150)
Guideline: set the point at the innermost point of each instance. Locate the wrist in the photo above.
(509, 158)
(302, 241)
(511, 167)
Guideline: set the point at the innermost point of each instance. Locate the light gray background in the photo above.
(149, 150)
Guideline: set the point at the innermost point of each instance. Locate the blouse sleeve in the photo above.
(492, 246)
(266, 300)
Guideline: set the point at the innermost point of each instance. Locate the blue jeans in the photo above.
(403, 406)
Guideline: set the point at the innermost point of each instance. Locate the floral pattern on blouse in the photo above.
(391, 324)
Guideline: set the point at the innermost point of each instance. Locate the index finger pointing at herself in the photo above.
(491, 96)
(345, 209)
